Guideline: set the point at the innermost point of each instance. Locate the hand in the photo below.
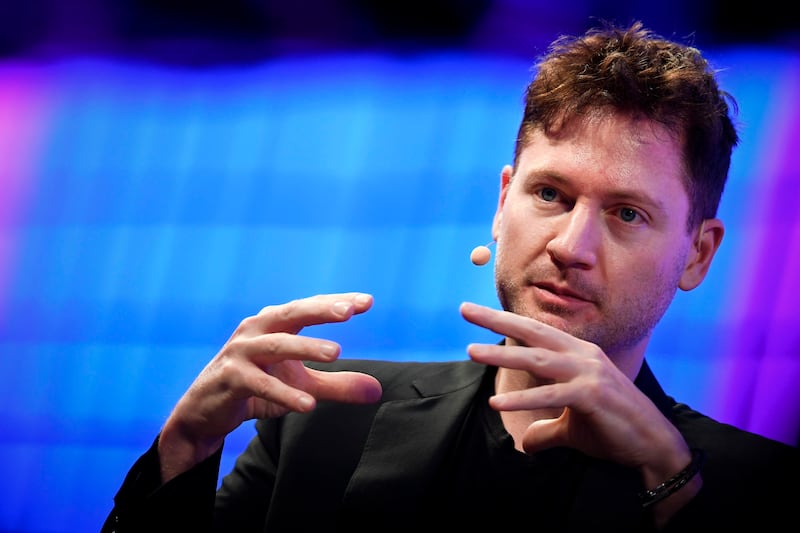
(259, 373)
(603, 414)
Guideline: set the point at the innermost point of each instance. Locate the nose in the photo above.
(576, 239)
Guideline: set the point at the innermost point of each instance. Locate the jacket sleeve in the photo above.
(144, 504)
(244, 496)
(749, 484)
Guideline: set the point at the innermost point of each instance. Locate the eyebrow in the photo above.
(640, 199)
(625, 195)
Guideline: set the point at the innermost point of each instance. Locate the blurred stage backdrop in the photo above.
(168, 168)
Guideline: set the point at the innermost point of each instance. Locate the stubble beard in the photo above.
(621, 326)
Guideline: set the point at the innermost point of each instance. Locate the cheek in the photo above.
(515, 244)
(649, 273)
(518, 225)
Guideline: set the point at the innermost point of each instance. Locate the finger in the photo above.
(302, 394)
(548, 395)
(293, 316)
(345, 386)
(256, 382)
(540, 362)
(525, 330)
(543, 434)
(271, 348)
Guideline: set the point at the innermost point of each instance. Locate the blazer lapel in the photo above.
(409, 439)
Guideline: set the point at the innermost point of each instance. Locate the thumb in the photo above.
(543, 434)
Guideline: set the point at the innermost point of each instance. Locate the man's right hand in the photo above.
(259, 373)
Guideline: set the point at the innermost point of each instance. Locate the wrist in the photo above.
(676, 482)
(670, 495)
(178, 451)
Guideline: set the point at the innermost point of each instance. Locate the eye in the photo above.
(548, 194)
(629, 215)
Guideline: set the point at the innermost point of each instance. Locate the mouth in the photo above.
(561, 292)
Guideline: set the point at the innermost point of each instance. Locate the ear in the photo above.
(505, 181)
(706, 243)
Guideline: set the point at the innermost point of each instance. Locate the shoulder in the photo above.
(735, 455)
(701, 430)
(746, 476)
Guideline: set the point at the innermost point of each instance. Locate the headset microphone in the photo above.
(481, 254)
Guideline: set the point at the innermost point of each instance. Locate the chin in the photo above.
(550, 317)
(562, 323)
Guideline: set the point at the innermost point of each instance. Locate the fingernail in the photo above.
(362, 299)
(328, 349)
(305, 402)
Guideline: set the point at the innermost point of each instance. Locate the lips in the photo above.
(561, 291)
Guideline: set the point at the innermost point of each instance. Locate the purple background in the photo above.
(169, 167)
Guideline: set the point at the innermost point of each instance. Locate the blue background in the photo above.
(174, 171)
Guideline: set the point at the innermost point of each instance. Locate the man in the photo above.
(609, 208)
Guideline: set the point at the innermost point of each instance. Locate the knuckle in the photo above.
(537, 359)
(277, 317)
(282, 311)
(286, 311)
(267, 309)
(548, 395)
(227, 373)
(248, 322)
(593, 389)
(235, 345)
(271, 345)
(227, 368)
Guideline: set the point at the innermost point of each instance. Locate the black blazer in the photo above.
(356, 467)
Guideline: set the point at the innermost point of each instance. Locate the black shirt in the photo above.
(486, 479)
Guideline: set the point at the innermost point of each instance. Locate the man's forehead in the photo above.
(613, 157)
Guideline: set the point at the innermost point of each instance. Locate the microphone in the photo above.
(481, 254)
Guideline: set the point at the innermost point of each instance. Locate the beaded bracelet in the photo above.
(651, 496)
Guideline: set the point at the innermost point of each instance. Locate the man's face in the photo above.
(591, 230)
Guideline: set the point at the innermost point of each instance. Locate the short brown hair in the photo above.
(634, 71)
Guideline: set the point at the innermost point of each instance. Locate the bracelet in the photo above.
(649, 497)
